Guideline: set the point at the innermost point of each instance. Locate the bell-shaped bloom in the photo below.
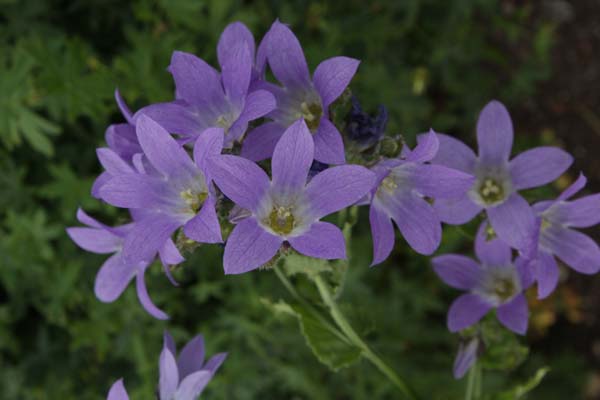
(466, 356)
(495, 282)
(205, 98)
(498, 179)
(404, 185)
(177, 193)
(300, 97)
(181, 378)
(286, 208)
(116, 273)
(557, 238)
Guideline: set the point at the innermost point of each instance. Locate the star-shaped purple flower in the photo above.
(206, 99)
(171, 192)
(300, 97)
(495, 282)
(287, 208)
(404, 184)
(116, 273)
(498, 179)
(558, 239)
(183, 378)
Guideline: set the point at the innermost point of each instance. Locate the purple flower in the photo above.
(206, 99)
(498, 179)
(466, 356)
(183, 378)
(400, 195)
(496, 282)
(174, 193)
(556, 238)
(115, 274)
(287, 208)
(300, 97)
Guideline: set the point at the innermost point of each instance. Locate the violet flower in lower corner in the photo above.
(287, 208)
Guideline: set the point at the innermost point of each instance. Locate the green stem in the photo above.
(473, 391)
(346, 328)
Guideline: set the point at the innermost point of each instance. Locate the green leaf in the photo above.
(521, 390)
(503, 350)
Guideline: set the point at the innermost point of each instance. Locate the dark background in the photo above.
(432, 63)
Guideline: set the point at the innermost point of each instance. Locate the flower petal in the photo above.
(162, 150)
(491, 252)
(112, 163)
(191, 357)
(261, 141)
(258, 104)
(112, 278)
(457, 271)
(240, 179)
(438, 181)
(215, 362)
(95, 240)
(192, 385)
(332, 76)
(205, 227)
(175, 117)
(580, 213)
(465, 311)
(169, 376)
(337, 188)
(236, 73)
(454, 154)
(147, 237)
(494, 134)
(133, 191)
(286, 57)
(426, 149)
(232, 35)
(323, 240)
(575, 187)
(169, 343)
(465, 358)
(576, 249)
(417, 221)
(248, 247)
(197, 82)
(117, 391)
(292, 158)
(546, 273)
(123, 107)
(209, 144)
(538, 166)
(382, 231)
(144, 297)
(514, 315)
(456, 211)
(121, 138)
(329, 146)
(513, 221)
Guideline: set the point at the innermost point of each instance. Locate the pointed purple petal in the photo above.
(261, 141)
(215, 362)
(169, 376)
(95, 240)
(426, 149)
(286, 57)
(241, 180)
(575, 249)
(382, 231)
(494, 252)
(580, 213)
(514, 315)
(133, 191)
(465, 358)
(329, 146)
(439, 182)
(121, 138)
(236, 73)
(192, 385)
(99, 182)
(205, 227)
(292, 158)
(513, 221)
(144, 297)
(465, 311)
(494, 134)
(170, 255)
(117, 391)
(85, 219)
(147, 237)
(162, 150)
(123, 107)
(332, 76)
(323, 240)
(209, 144)
(575, 187)
(538, 166)
(175, 117)
(191, 357)
(258, 104)
(196, 81)
(169, 343)
(547, 274)
(337, 188)
(456, 211)
(454, 154)
(234, 34)
(112, 163)
(458, 271)
(249, 246)
(112, 278)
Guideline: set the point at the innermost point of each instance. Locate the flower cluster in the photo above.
(256, 164)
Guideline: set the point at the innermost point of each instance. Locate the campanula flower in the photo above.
(495, 282)
(287, 208)
(401, 195)
(498, 179)
(557, 238)
(300, 97)
(176, 193)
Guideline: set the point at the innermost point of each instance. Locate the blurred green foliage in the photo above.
(433, 64)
